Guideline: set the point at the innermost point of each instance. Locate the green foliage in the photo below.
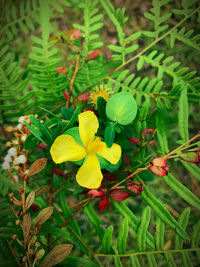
(152, 87)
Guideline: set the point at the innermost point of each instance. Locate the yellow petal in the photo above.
(88, 126)
(89, 175)
(111, 154)
(65, 148)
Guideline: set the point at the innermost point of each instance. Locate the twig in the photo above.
(75, 72)
(65, 223)
(13, 252)
(13, 180)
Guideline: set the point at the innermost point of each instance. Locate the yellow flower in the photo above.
(102, 91)
(65, 148)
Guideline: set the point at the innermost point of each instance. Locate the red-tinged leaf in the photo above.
(95, 193)
(42, 145)
(58, 171)
(103, 203)
(66, 95)
(34, 207)
(126, 160)
(93, 54)
(159, 162)
(119, 195)
(146, 131)
(158, 170)
(135, 187)
(134, 140)
(193, 157)
(62, 70)
(37, 166)
(56, 255)
(84, 192)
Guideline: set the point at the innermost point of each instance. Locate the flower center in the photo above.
(94, 146)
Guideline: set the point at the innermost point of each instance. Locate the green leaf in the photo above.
(109, 135)
(101, 107)
(162, 212)
(183, 115)
(45, 132)
(183, 221)
(193, 169)
(182, 191)
(107, 239)
(67, 112)
(122, 236)
(159, 233)
(121, 108)
(122, 208)
(36, 132)
(142, 229)
(73, 119)
(31, 142)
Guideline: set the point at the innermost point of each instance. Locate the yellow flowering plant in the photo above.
(65, 148)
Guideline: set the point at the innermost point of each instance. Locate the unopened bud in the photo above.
(17, 222)
(14, 237)
(40, 254)
(33, 239)
(24, 259)
(37, 244)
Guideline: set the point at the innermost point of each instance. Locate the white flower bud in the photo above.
(22, 159)
(12, 152)
(26, 171)
(19, 126)
(8, 158)
(16, 161)
(23, 138)
(21, 119)
(6, 165)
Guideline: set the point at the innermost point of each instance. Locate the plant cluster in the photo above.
(98, 139)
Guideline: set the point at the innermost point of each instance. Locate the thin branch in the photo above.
(149, 252)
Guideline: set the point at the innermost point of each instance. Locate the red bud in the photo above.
(95, 193)
(119, 195)
(66, 95)
(84, 97)
(62, 70)
(126, 160)
(135, 187)
(42, 145)
(158, 170)
(146, 131)
(159, 162)
(58, 171)
(76, 34)
(134, 140)
(103, 203)
(93, 54)
(34, 207)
